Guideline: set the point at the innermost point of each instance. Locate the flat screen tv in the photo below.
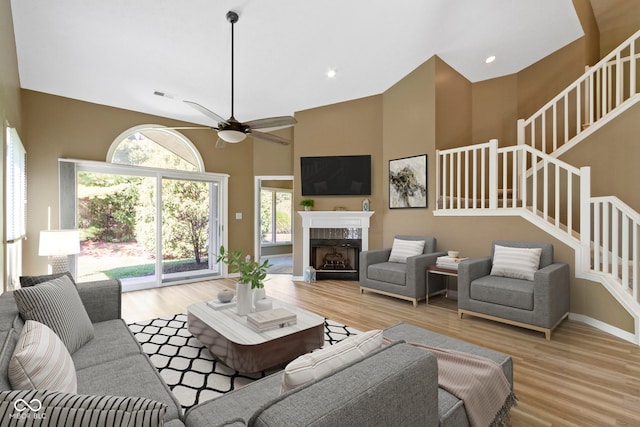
(336, 175)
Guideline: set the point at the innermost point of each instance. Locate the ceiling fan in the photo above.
(231, 130)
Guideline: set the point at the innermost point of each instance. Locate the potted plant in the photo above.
(307, 203)
(252, 275)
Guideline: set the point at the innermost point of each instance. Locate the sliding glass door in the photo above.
(189, 240)
(145, 227)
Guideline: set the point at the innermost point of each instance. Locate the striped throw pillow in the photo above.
(57, 304)
(518, 263)
(403, 249)
(51, 408)
(325, 361)
(41, 361)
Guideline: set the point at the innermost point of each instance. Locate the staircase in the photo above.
(528, 179)
(601, 94)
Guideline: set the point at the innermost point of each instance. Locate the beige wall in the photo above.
(58, 127)
(453, 107)
(409, 129)
(495, 110)
(591, 30)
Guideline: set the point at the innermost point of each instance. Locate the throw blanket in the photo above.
(477, 381)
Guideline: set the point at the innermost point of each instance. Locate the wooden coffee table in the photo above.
(239, 346)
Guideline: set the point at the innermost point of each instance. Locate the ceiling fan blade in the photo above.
(221, 143)
(269, 137)
(188, 127)
(272, 123)
(206, 112)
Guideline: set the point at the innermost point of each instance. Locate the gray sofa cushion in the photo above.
(411, 333)
(389, 272)
(380, 390)
(113, 340)
(129, 376)
(505, 291)
(239, 403)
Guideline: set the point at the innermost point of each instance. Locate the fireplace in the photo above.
(335, 258)
(332, 242)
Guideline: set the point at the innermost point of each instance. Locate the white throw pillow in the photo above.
(325, 361)
(403, 249)
(41, 361)
(518, 263)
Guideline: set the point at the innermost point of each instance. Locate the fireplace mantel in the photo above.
(333, 219)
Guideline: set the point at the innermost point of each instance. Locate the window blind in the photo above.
(16, 187)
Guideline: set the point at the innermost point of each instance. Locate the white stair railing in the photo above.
(615, 228)
(484, 179)
(601, 90)
(483, 176)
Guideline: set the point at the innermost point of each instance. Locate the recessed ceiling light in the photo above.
(490, 59)
(331, 73)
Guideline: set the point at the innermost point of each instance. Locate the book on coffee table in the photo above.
(219, 305)
(271, 319)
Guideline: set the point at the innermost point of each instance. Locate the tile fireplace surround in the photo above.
(333, 220)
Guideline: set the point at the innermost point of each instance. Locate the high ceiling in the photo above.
(119, 52)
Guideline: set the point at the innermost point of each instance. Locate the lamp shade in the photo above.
(59, 242)
(232, 136)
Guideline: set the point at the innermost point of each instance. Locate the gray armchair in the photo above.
(400, 280)
(541, 304)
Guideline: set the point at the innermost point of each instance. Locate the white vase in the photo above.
(244, 302)
(258, 294)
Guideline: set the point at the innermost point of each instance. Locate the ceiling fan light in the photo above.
(232, 136)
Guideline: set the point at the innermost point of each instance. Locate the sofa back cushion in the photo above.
(365, 393)
(8, 341)
(8, 311)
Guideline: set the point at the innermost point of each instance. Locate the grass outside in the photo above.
(99, 261)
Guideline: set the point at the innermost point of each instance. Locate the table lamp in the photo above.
(57, 245)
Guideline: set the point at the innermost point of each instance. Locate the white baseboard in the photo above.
(617, 332)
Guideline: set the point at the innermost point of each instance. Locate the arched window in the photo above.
(155, 146)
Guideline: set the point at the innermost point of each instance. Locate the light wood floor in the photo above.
(583, 377)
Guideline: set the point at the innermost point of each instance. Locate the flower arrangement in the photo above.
(251, 271)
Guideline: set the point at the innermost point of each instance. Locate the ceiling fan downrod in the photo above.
(233, 18)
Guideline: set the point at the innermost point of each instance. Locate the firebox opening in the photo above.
(335, 258)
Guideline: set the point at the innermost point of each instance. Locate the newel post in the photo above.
(493, 174)
(585, 213)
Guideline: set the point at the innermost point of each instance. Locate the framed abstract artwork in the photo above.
(408, 182)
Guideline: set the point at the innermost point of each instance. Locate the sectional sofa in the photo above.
(396, 385)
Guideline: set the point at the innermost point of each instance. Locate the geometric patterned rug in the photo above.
(193, 375)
